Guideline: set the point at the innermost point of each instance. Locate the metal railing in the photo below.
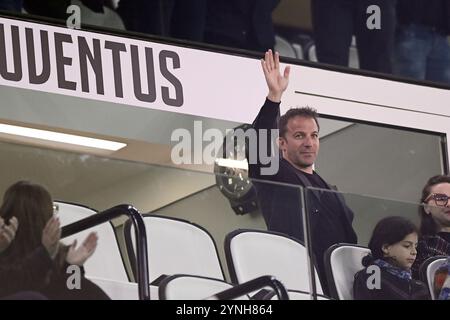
(253, 285)
(141, 239)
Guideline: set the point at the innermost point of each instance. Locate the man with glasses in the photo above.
(434, 221)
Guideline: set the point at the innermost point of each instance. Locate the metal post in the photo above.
(308, 242)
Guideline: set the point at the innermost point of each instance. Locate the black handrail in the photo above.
(141, 239)
(250, 286)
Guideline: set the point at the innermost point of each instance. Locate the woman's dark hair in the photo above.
(388, 231)
(427, 224)
(33, 206)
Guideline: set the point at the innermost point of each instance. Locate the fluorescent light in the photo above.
(61, 137)
(231, 163)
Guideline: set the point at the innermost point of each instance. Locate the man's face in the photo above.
(300, 144)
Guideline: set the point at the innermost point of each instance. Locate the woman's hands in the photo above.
(51, 235)
(79, 255)
(7, 232)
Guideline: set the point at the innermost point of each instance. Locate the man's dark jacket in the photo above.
(281, 204)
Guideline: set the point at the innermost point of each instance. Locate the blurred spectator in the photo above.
(334, 23)
(434, 221)
(245, 24)
(442, 281)
(422, 50)
(11, 5)
(17, 277)
(175, 18)
(57, 8)
(47, 8)
(38, 236)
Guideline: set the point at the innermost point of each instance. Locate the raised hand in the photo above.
(79, 255)
(276, 82)
(51, 235)
(7, 232)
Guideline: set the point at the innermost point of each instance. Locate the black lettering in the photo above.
(34, 77)
(151, 95)
(116, 48)
(17, 74)
(179, 99)
(96, 63)
(62, 61)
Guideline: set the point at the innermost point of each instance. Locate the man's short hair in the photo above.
(305, 112)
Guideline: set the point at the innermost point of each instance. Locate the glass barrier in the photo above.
(192, 211)
(375, 35)
(213, 225)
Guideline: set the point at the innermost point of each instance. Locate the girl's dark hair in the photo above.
(388, 231)
(427, 224)
(33, 206)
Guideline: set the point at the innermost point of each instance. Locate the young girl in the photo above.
(387, 275)
(33, 206)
